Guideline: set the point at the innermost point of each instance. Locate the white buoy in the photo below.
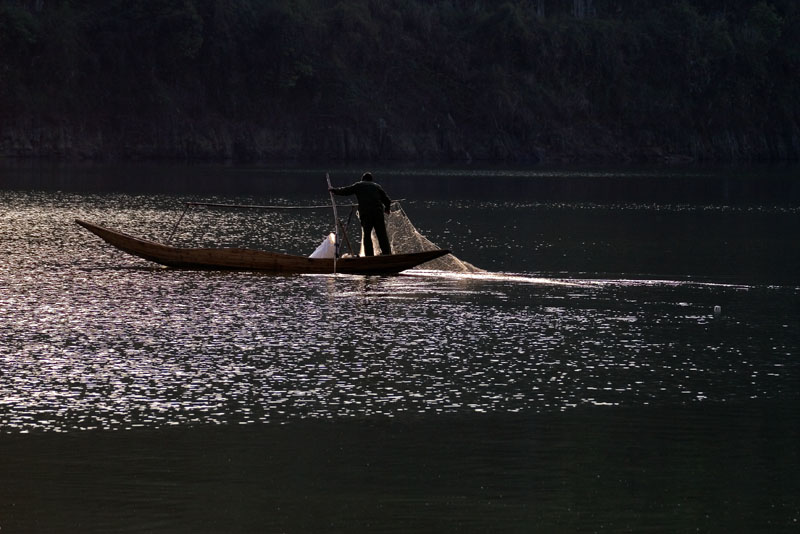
(717, 310)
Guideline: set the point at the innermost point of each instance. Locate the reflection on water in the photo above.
(611, 322)
(95, 339)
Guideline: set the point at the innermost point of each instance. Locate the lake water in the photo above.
(628, 362)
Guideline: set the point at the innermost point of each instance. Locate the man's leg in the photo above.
(367, 238)
(383, 238)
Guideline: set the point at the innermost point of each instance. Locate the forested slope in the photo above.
(441, 80)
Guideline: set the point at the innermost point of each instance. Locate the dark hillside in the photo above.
(440, 80)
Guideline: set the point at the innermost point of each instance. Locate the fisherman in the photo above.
(372, 203)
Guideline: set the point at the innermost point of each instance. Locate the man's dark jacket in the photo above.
(372, 199)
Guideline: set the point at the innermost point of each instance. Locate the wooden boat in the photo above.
(257, 260)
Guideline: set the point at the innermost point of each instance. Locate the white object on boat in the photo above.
(326, 249)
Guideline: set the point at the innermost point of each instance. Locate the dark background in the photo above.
(401, 80)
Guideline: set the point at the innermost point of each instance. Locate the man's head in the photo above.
(367, 177)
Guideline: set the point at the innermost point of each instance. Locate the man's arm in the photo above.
(387, 202)
(347, 190)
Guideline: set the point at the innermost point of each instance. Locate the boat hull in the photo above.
(256, 260)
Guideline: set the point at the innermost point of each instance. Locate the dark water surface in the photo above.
(591, 385)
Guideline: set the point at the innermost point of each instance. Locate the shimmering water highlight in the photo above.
(94, 339)
(627, 362)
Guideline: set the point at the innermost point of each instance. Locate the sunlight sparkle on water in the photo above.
(94, 339)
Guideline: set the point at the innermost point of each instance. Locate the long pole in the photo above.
(257, 207)
(335, 222)
(172, 233)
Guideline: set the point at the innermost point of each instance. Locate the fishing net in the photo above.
(405, 238)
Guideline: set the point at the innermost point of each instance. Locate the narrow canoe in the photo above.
(256, 260)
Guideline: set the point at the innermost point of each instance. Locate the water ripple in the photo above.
(93, 339)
